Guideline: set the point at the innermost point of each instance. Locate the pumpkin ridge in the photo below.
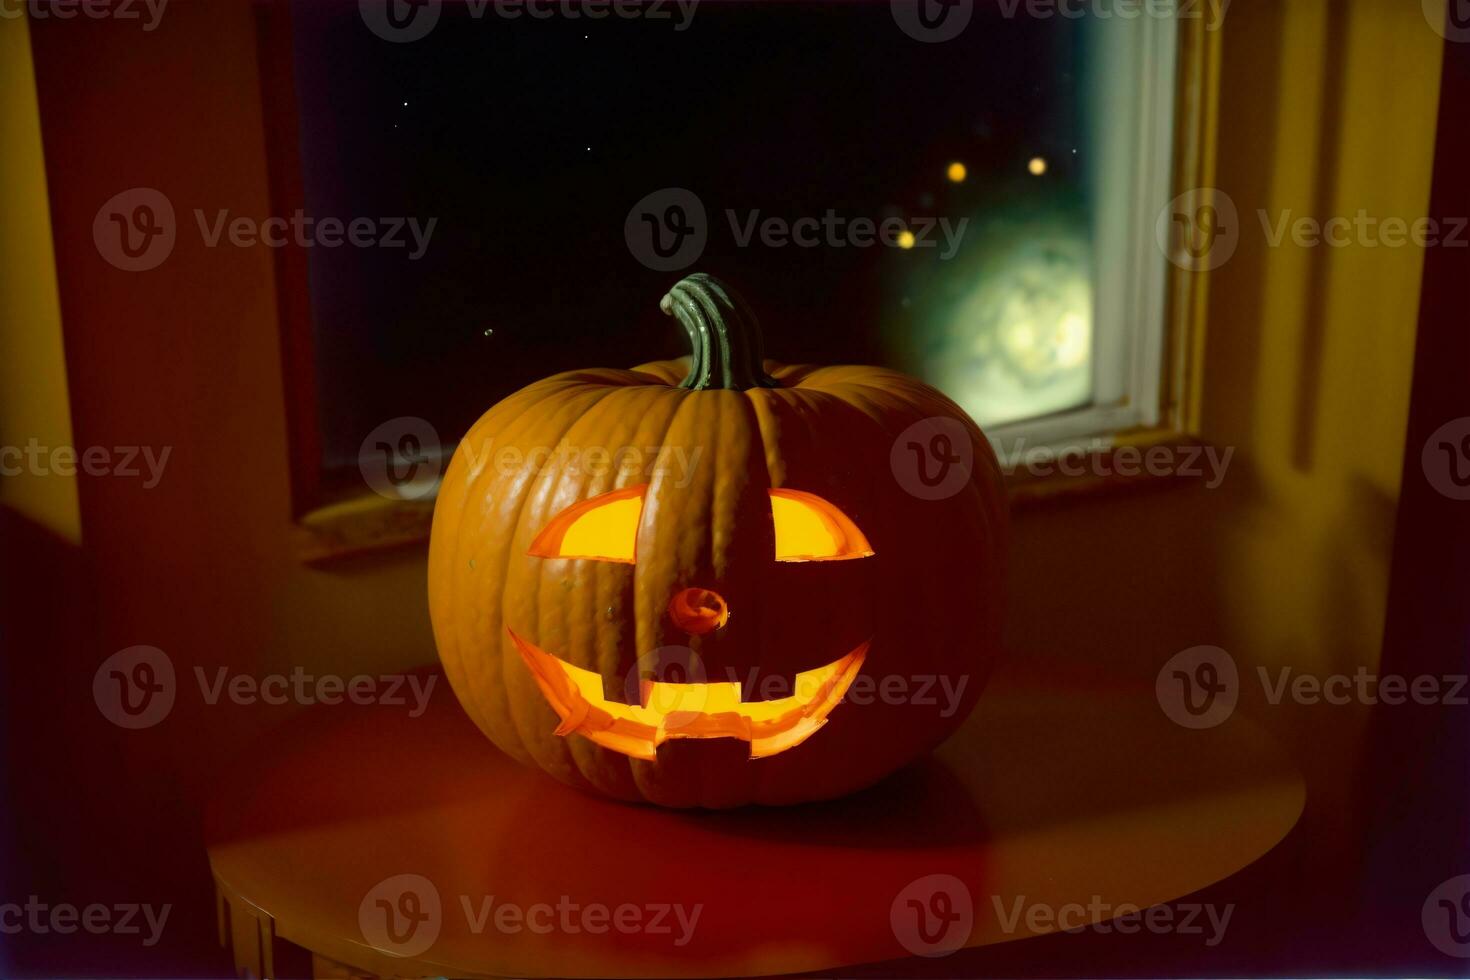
(498, 720)
(804, 406)
(604, 424)
(663, 441)
(492, 665)
(451, 569)
(647, 609)
(509, 656)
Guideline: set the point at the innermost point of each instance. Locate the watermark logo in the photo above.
(1446, 917)
(1363, 687)
(933, 458)
(945, 692)
(305, 231)
(833, 230)
(135, 229)
(35, 459)
(400, 21)
(933, 915)
(135, 688)
(1362, 229)
(1184, 919)
(410, 691)
(1101, 458)
(1450, 19)
(400, 459)
(63, 918)
(152, 10)
(1199, 230)
(932, 21)
(401, 915)
(671, 681)
(1446, 459)
(1198, 687)
(1211, 11)
(673, 919)
(667, 230)
(621, 464)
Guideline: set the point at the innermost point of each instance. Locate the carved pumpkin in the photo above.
(701, 584)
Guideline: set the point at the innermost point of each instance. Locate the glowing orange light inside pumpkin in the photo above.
(672, 710)
(604, 528)
(809, 528)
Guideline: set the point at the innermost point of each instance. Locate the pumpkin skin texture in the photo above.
(927, 601)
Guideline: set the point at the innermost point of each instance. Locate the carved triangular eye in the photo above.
(809, 528)
(604, 528)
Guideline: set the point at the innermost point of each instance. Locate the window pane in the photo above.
(881, 200)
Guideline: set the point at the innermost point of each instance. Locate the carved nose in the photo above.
(698, 611)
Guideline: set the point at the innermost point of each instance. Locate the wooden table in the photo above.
(390, 845)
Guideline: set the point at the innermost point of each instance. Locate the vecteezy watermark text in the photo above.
(934, 21)
(1100, 458)
(923, 690)
(64, 918)
(1200, 687)
(300, 687)
(1364, 687)
(1200, 230)
(402, 915)
(242, 231)
(668, 229)
(833, 230)
(90, 9)
(135, 230)
(1212, 12)
(644, 462)
(403, 21)
(569, 917)
(121, 461)
(1097, 915)
(137, 687)
(402, 459)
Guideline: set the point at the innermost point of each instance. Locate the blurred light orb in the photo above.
(905, 239)
(1017, 342)
(956, 173)
(1037, 166)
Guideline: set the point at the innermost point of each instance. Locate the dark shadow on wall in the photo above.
(86, 818)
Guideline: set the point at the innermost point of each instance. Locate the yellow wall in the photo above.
(186, 358)
(33, 400)
(1332, 328)
(1326, 108)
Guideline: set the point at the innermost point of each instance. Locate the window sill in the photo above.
(364, 525)
(1143, 460)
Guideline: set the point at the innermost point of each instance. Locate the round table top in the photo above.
(412, 846)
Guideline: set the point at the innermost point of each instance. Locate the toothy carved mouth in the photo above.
(710, 710)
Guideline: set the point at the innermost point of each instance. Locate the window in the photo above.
(978, 212)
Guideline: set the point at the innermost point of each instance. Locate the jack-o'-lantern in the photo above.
(718, 580)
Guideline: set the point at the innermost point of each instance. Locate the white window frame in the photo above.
(1134, 136)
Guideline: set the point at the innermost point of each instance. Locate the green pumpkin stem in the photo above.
(723, 332)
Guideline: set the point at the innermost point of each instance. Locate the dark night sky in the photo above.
(791, 109)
